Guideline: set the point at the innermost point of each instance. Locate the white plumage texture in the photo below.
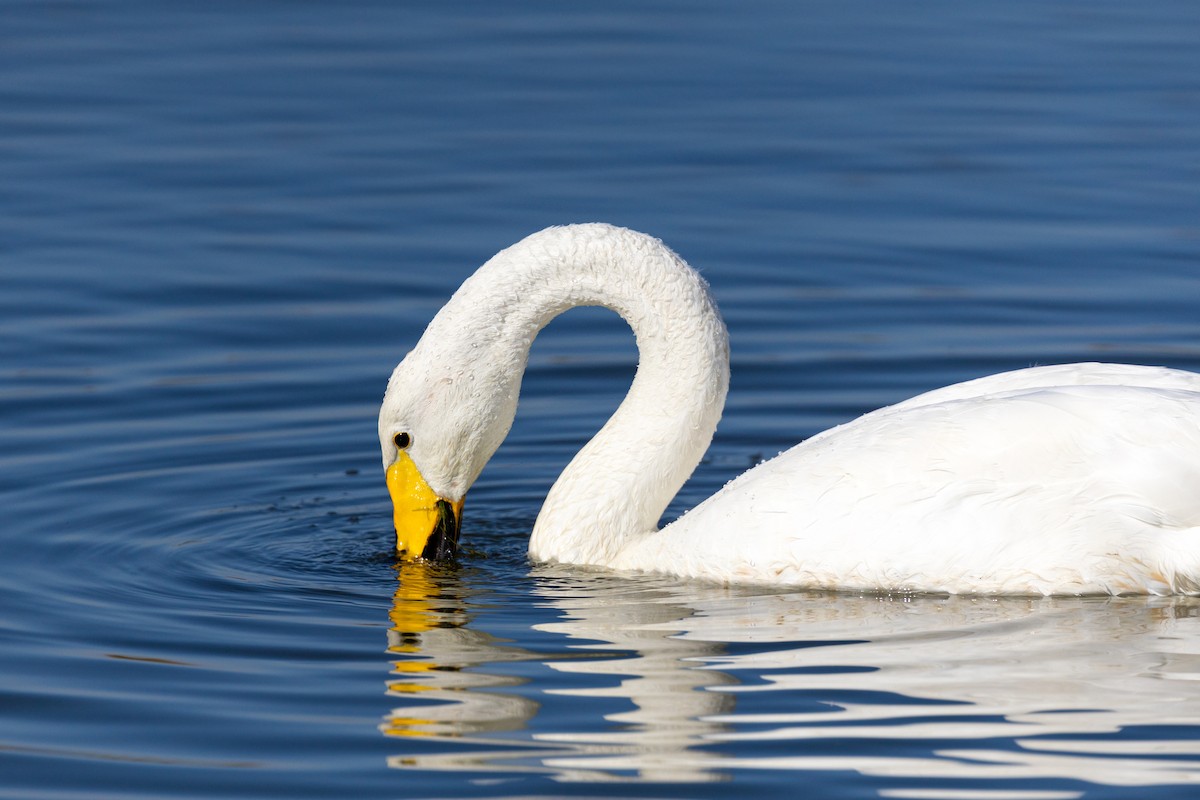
(1074, 479)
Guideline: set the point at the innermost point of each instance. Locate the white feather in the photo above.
(1079, 478)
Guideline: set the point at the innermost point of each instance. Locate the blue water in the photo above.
(221, 224)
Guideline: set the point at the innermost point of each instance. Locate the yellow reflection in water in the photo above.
(430, 632)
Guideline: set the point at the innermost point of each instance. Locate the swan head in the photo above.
(448, 406)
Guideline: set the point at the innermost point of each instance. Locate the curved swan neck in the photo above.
(617, 487)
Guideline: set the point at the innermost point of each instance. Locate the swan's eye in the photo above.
(402, 440)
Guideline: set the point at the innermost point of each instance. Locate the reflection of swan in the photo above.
(1098, 690)
(929, 697)
(1074, 479)
(664, 679)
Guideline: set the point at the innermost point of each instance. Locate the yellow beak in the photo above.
(426, 525)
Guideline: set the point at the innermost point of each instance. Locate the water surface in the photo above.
(222, 224)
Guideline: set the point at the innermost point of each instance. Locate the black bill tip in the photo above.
(443, 542)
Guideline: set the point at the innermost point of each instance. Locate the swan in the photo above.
(1071, 479)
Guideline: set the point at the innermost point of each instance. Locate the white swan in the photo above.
(1082, 478)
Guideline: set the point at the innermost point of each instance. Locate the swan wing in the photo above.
(1050, 489)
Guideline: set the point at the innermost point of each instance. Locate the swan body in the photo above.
(1073, 479)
